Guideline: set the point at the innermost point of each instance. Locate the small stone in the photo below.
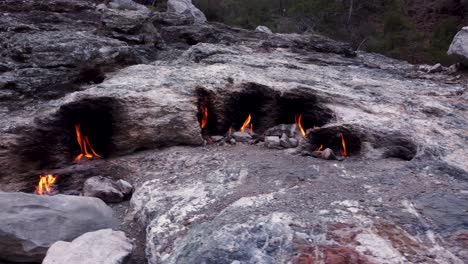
(284, 141)
(241, 136)
(328, 154)
(272, 142)
(293, 142)
(454, 68)
(263, 29)
(289, 129)
(436, 68)
(232, 141)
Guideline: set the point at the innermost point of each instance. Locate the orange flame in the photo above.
(246, 124)
(298, 120)
(44, 187)
(320, 148)
(343, 151)
(85, 147)
(204, 111)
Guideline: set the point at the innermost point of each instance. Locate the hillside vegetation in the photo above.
(416, 30)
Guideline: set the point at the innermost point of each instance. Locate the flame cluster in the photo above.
(247, 125)
(46, 182)
(86, 151)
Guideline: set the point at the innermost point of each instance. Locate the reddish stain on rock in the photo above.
(343, 255)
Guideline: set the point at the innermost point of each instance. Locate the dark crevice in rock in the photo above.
(267, 107)
(53, 142)
(333, 136)
(395, 146)
(91, 76)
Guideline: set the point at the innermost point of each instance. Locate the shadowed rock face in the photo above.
(405, 133)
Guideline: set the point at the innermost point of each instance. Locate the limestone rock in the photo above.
(241, 136)
(106, 189)
(125, 187)
(284, 141)
(328, 154)
(103, 246)
(272, 142)
(131, 26)
(435, 68)
(127, 5)
(263, 29)
(459, 45)
(186, 7)
(32, 223)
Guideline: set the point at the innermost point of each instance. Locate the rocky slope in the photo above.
(400, 197)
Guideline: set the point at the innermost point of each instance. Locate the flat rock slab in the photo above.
(32, 223)
(104, 247)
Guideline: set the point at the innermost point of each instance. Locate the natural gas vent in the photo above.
(79, 130)
(343, 140)
(91, 76)
(259, 107)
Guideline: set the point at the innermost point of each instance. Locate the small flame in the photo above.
(298, 120)
(230, 132)
(44, 187)
(246, 125)
(85, 147)
(320, 148)
(204, 112)
(343, 151)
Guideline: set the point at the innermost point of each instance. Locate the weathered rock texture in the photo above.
(459, 46)
(186, 7)
(103, 247)
(405, 133)
(32, 223)
(107, 190)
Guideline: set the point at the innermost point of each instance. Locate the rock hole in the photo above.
(91, 76)
(396, 146)
(54, 142)
(333, 136)
(267, 107)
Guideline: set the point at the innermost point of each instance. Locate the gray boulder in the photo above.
(106, 189)
(32, 223)
(185, 7)
(263, 29)
(127, 5)
(103, 246)
(459, 46)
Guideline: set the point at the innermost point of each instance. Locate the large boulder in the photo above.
(104, 247)
(186, 7)
(459, 46)
(32, 223)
